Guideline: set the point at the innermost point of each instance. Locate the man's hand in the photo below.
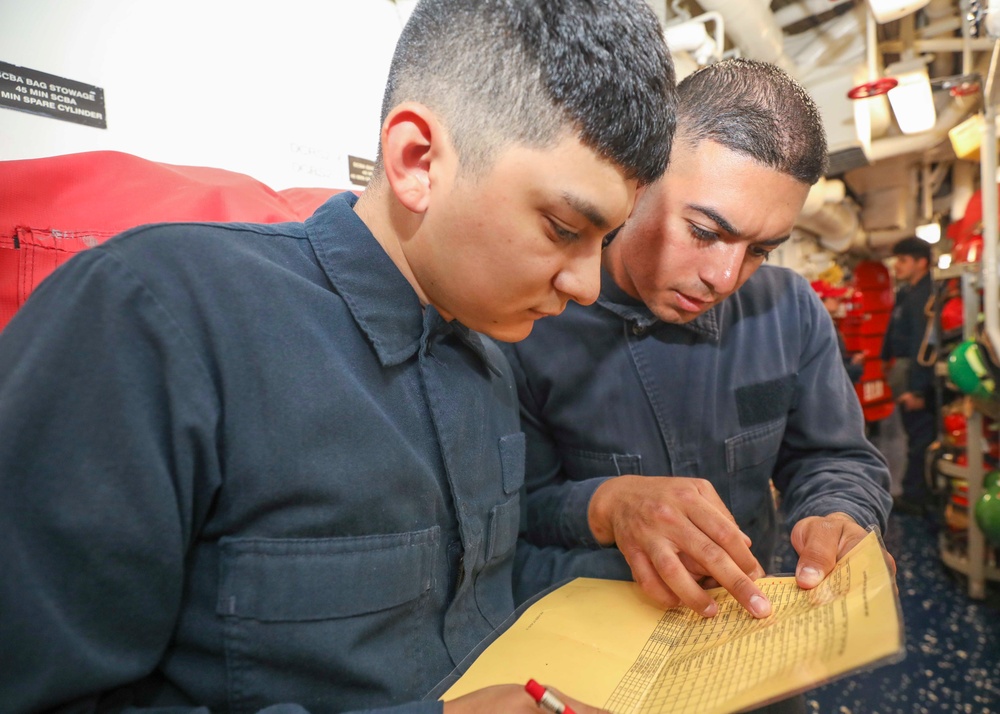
(508, 698)
(673, 532)
(910, 401)
(820, 542)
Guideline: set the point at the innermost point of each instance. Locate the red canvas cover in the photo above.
(864, 330)
(52, 208)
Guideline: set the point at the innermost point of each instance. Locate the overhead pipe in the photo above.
(877, 108)
(992, 18)
(804, 10)
(936, 28)
(991, 302)
(692, 36)
(988, 186)
(871, 44)
(827, 214)
(837, 227)
(835, 221)
(936, 44)
(839, 35)
(941, 22)
(964, 7)
(962, 187)
(752, 27)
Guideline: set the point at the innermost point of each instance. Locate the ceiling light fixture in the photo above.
(929, 232)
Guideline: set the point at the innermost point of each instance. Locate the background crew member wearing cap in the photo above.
(910, 382)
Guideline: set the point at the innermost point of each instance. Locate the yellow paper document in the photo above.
(604, 643)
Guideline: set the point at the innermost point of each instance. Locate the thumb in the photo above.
(816, 540)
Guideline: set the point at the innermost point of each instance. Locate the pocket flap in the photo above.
(754, 447)
(512, 461)
(300, 579)
(591, 464)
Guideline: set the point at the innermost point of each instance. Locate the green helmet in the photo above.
(987, 510)
(968, 371)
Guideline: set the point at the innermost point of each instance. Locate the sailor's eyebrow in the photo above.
(717, 217)
(586, 209)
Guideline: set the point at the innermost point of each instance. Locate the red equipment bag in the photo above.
(864, 330)
(53, 208)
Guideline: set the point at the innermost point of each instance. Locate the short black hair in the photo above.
(757, 109)
(500, 72)
(914, 246)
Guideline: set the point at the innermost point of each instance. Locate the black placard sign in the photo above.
(39, 93)
(360, 170)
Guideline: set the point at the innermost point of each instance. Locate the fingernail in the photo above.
(710, 610)
(759, 606)
(809, 576)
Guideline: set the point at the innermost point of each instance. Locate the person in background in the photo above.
(911, 383)
(832, 297)
(277, 467)
(658, 417)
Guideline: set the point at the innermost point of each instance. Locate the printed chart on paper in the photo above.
(604, 643)
(693, 664)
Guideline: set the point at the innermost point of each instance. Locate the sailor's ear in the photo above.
(413, 139)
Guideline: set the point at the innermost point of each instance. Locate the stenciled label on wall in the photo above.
(39, 93)
(360, 170)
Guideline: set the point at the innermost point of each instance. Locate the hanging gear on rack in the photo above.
(968, 371)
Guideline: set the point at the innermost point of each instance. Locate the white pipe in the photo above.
(962, 187)
(718, 27)
(941, 20)
(939, 44)
(939, 27)
(804, 9)
(993, 19)
(839, 36)
(926, 194)
(936, 10)
(991, 308)
(827, 215)
(692, 36)
(871, 44)
(879, 114)
(966, 37)
(988, 186)
(836, 225)
(752, 27)
(822, 192)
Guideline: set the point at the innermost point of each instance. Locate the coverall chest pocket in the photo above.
(322, 608)
(750, 461)
(755, 447)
